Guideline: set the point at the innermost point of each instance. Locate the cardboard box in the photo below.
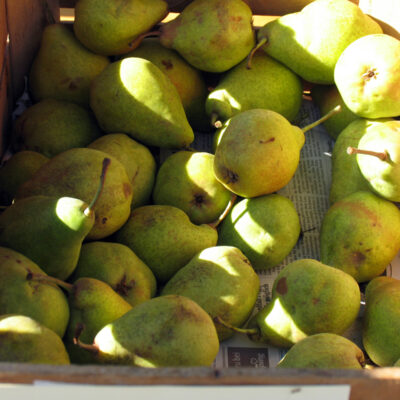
(21, 24)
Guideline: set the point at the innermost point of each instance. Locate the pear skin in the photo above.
(63, 68)
(24, 340)
(52, 126)
(225, 29)
(381, 321)
(134, 96)
(17, 169)
(299, 40)
(155, 232)
(45, 303)
(110, 27)
(117, 265)
(139, 163)
(186, 180)
(360, 234)
(324, 351)
(75, 173)
(222, 281)
(265, 229)
(181, 332)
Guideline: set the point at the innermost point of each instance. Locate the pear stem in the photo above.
(106, 163)
(381, 155)
(261, 43)
(215, 223)
(215, 122)
(49, 279)
(89, 347)
(330, 114)
(136, 42)
(234, 328)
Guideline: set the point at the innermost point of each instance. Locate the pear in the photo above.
(381, 322)
(17, 169)
(165, 331)
(222, 281)
(360, 234)
(367, 75)
(264, 228)
(224, 28)
(134, 96)
(186, 180)
(139, 163)
(346, 175)
(111, 27)
(74, 173)
(117, 265)
(308, 297)
(259, 152)
(52, 126)
(189, 81)
(378, 157)
(324, 351)
(25, 340)
(32, 223)
(63, 68)
(164, 238)
(269, 84)
(45, 303)
(300, 40)
(327, 97)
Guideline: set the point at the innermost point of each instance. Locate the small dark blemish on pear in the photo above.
(281, 286)
(167, 64)
(127, 189)
(104, 220)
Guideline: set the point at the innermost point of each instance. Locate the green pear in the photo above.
(324, 351)
(378, 157)
(269, 84)
(381, 321)
(75, 173)
(259, 152)
(186, 180)
(52, 126)
(308, 297)
(164, 238)
(25, 340)
(137, 159)
(224, 28)
(367, 75)
(32, 223)
(327, 97)
(165, 331)
(222, 281)
(346, 175)
(45, 303)
(301, 40)
(16, 170)
(117, 265)
(134, 96)
(264, 228)
(189, 81)
(360, 234)
(112, 27)
(63, 68)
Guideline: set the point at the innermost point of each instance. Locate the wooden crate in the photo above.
(21, 25)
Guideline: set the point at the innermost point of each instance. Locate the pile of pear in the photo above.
(123, 241)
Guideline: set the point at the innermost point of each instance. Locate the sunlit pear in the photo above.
(222, 281)
(324, 351)
(135, 97)
(264, 228)
(24, 340)
(166, 331)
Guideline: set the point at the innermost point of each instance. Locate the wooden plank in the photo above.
(26, 19)
(382, 383)
(4, 104)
